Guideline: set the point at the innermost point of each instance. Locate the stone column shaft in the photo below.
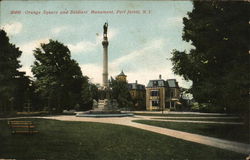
(105, 44)
(105, 67)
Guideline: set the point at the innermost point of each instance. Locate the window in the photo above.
(155, 83)
(155, 93)
(155, 103)
(172, 93)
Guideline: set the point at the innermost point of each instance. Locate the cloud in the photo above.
(112, 33)
(173, 20)
(58, 29)
(93, 71)
(27, 57)
(149, 54)
(28, 47)
(13, 28)
(85, 46)
(27, 70)
(82, 46)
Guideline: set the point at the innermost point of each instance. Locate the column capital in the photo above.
(105, 43)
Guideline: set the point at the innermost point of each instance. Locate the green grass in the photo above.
(224, 131)
(81, 140)
(202, 119)
(179, 115)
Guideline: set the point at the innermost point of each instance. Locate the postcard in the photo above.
(109, 80)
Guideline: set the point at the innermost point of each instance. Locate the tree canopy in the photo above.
(59, 79)
(219, 63)
(120, 92)
(13, 83)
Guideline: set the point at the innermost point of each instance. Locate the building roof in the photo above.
(156, 83)
(172, 83)
(122, 74)
(136, 86)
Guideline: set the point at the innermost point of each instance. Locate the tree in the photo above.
(59, 78)
(13, 83)
(89, 93)
(120, 92)
(219, 63)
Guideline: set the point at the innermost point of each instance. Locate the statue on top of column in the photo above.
(105, 28)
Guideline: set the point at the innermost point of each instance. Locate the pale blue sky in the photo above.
(139, 43)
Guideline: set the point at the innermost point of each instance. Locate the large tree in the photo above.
(219, 63)
(120, 92)
(13, 83)
(59, 79)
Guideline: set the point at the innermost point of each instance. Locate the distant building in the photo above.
(121, 77)
(137, 92)
(138, 95)
(161, 94)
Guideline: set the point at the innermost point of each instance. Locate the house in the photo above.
(162, 94)
(138, 95)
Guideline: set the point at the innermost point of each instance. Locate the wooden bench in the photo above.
(22, 127)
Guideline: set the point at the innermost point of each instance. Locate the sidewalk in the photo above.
(176, 119)
(174, 112)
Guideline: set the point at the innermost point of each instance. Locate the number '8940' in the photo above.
(15, 12)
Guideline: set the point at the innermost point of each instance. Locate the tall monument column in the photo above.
(105, 44)
(105, 101)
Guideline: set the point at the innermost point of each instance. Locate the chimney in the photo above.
(160, 76)
(136, 81)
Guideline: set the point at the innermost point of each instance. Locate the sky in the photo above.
(142, 34)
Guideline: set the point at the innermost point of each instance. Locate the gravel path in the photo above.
(174, 112)
(190, 121)
(127, 121)
(194, 117)
(175, 119)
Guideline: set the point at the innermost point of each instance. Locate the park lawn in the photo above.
(180, 115)
(205, 119)
(85, 140)
(224, 131)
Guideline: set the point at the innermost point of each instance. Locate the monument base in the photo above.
(106, 105)
(104, 115)
(104, 108)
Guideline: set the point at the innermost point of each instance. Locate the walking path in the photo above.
(179, 113)
(127, 121)
(166, 117)
(176, 119)
(188, 121)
